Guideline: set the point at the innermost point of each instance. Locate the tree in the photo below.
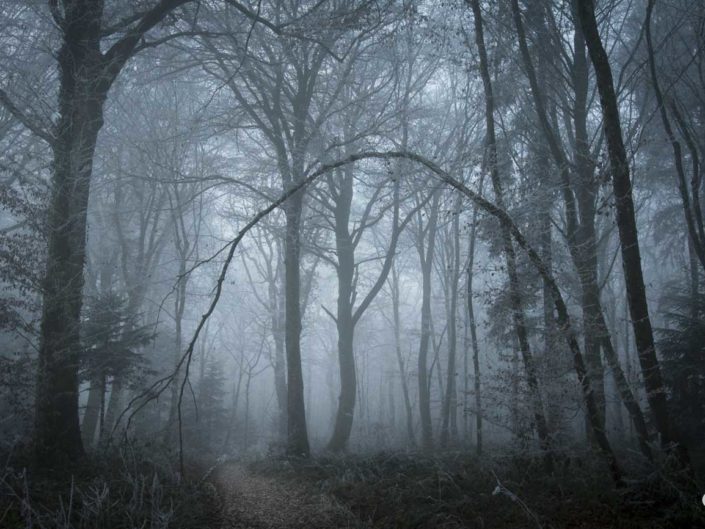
(86, 74)
(579, 190)
(518, 315)
(283, 98)
(628, 236)
(111, 339)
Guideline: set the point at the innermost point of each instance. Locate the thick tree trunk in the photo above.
(85, 76)
(628, 235)
(57, 433)
(297, 434)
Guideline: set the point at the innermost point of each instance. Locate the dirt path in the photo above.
(253, 501)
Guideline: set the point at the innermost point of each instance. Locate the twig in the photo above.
(501, 489)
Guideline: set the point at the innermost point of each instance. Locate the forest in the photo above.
(352, 264)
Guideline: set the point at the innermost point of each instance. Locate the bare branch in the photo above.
(28, 122)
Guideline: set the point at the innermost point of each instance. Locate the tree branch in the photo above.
(29, 124)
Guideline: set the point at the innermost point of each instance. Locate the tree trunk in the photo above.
(510, 256)
(57, 433)
(113, 410)
(477, 385)
(85, 76)
(426, 271)
(92, 414)
(279, 357)
(400, 359)
(344, 320)
(297, 434)
(628, 236)
(449, 429)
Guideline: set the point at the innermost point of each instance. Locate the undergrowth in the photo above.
(456, 490)
(126, 488)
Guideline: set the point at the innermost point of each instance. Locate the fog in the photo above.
(264, 262)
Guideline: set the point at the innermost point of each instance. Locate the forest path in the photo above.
(254, 501)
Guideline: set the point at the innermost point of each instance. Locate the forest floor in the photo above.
(255, 501)
(453, 491)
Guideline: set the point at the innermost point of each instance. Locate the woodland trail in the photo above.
(254, 501)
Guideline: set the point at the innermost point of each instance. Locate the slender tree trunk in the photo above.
(400, 359)
(628, 236)
(101, 417)
(179, 308)
(91, 415)
(279, 358)
(510, 256)
(583, 239)
(477, 382)
(691, 211)
(426, 272)
(233, 410)
(246, 428)
(113, 410)
(449, 429)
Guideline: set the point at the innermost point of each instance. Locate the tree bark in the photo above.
(85, 77)
(395, 287)
(92, 414)
(477, 382)
(297, 434)
(344, 319)
(426, 257)
(449, 428)
(57, 433)
(628, 236)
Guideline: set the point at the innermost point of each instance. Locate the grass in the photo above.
(456, 490)
(123, 489)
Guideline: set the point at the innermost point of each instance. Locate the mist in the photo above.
(352, 263)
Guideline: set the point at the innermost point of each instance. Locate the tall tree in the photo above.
(628, 234)
(284, 99)
(86, 74)
(517, 309)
